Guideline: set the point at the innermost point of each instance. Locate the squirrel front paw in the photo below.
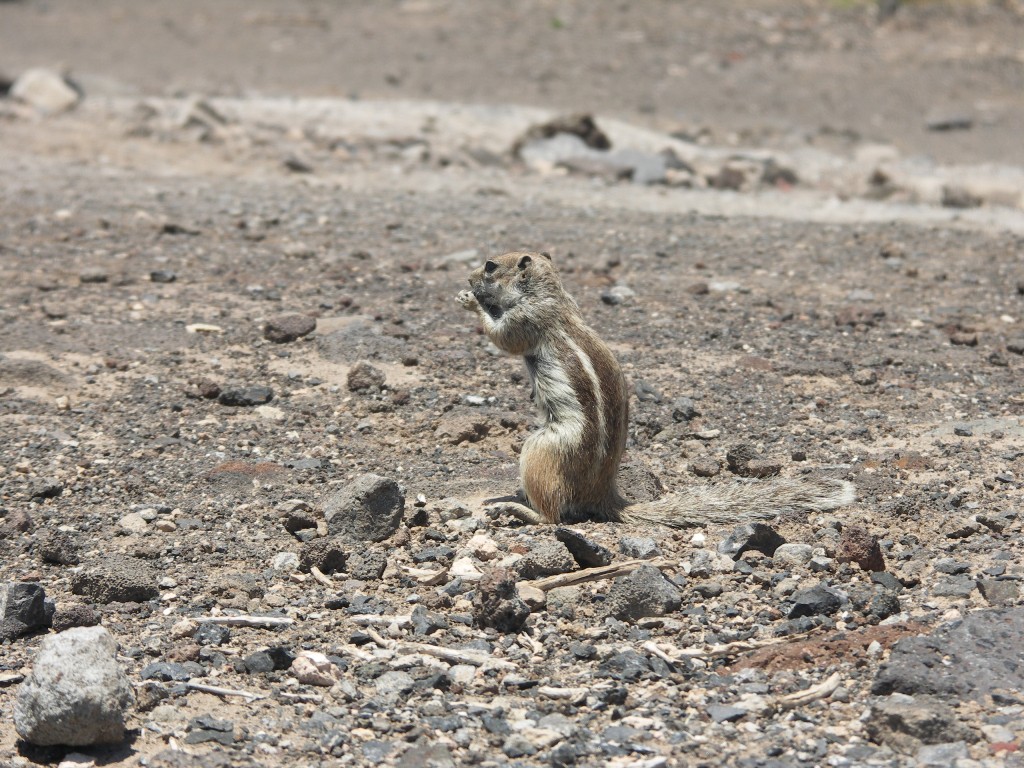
(467, 300)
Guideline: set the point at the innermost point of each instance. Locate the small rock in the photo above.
(14, 522)
(684, 409)
(23, 609)
(202, 389)
(426, 622)
(963, 339)
(326, 554)
(209, 633)
(858, 545)
(637, 547)
(949, 122)
(206, 728)
(998, 592)
(363, 377)
(244, 397)
(762, 468)
(587, 553)
(793, 555)
(816, 601)
(45, 488)
(313, 668)
(61, 548)
(545, 558)
(269, 660)
(116, 579)
(370, 509)
(483, 546)
(581, 125)
(738, 456)
(368, 566)
(535, 598)
(74, 615)
(642, 593)
(906, 722)
(722, 713)
(941, 755)
(856, 314)
(757, 536)
(394, 684)
(496, 603)
(286, 328)
(162, 276)
(285, 562)
(617, 294)
(76, 694)
(627, 666)
(93, 276)
(458, 427)
(45, 90)
(705, 467)
(133, 523)
(167, 671)
(865, 377)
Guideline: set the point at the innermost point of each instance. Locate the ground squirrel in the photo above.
(568, 467)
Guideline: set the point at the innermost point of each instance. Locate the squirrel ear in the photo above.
(525, 262)
(546, 255)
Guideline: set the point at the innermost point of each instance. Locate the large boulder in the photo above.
(76, 694)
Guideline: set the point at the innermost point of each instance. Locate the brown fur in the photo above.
(568, 467)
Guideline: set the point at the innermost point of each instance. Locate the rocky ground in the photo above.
(247, 430)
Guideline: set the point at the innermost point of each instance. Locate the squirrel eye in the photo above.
(489, 267)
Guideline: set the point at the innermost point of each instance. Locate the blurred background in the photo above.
(941, 78)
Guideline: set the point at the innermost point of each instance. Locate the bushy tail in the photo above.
(741, 502)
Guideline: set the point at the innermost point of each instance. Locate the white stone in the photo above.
(793, 555)
(45, 90)
(312, 668)
(285, 561)
(483, 547)
(133, 522)
(465, 568)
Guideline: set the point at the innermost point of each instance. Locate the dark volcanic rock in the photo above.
(60, 547)
(757, 536)
(496, 603)
(587, 553)
(244, 397)
(363, 377)
(545, 558)
(369, 509)
(816, 601)
(326, 554)
(74, 615)
(965, 659)
(116, 579)
(23, 608)
(285, 328)
(644, 592)
(858, 545)
(906, 722)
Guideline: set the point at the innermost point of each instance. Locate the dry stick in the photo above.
(217, 691)
(248, 621)
(381, 620)
(822, 690)
(375, 636)
(562, 693)
(740, 646)
(457, 656)
(596, 574)
(317, 574)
